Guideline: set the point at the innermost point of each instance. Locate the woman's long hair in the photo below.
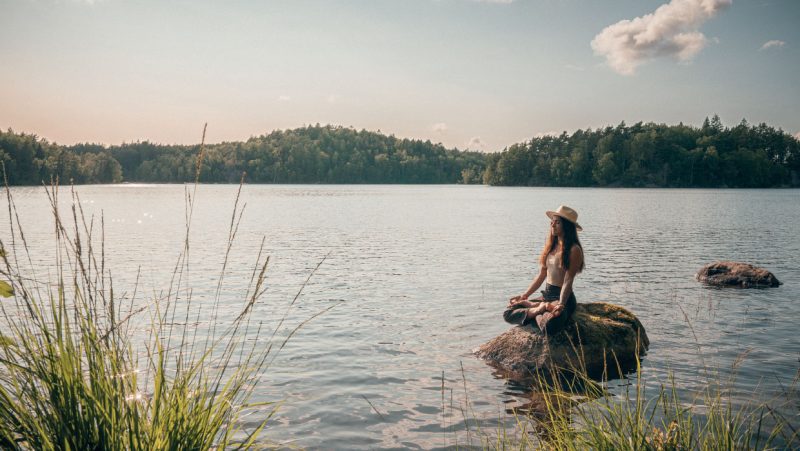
(570, 239)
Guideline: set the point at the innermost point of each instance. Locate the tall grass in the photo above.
(70, 377)
(575, 413)
(637, 420)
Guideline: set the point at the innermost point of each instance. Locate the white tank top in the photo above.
(555, 272)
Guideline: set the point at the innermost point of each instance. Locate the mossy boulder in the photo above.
(601, 340)
(736, 274)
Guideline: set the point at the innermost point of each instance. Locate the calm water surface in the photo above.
(421, 275)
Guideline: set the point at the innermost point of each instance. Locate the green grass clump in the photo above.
(70, 377)
(635, 421)
(581, 415)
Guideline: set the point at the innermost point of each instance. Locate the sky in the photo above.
(470, 74)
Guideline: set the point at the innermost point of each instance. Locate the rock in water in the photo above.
(736, 274)
(601, 339)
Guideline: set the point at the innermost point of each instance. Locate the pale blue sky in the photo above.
(452, 71)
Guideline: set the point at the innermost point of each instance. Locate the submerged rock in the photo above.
(736, 274)
(601, 339)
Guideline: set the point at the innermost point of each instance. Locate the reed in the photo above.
(70, 377)
(576, 413)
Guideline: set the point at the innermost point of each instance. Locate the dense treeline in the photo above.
(28, 160)
(654, 155)
(314, 154)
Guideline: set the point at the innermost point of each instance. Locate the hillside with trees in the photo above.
(653, 155)
(314, 154)
(640, 155)
(29, 160)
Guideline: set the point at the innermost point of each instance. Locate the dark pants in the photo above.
(546, 322)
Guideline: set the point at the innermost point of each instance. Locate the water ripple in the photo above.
(421, 274)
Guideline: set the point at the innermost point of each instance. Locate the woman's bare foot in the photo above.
(538, 309)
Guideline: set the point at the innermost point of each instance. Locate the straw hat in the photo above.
(567, 213)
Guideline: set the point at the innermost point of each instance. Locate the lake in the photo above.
(420, 276)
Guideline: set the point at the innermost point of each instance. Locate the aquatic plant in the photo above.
(576, 413)
(70, 376)
(637, 420)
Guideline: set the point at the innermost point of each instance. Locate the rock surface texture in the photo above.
(601, 339)
(736, 274)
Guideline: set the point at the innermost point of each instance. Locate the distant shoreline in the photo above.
(719, 188)
(637, 156)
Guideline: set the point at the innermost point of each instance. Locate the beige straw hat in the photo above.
(567, 213)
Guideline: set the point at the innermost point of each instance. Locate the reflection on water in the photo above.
(421, 275)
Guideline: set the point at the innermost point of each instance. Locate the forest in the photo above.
(313, 154)
(653, 155)
(640, 155)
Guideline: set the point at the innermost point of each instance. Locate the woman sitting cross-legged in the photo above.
(560, 262)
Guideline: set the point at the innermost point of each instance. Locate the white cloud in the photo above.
(333, 98)
(772, 43)
(475, 143)
(670, 31)
(284, 98)
(441, 127)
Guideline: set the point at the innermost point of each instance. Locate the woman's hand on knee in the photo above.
(518, 299)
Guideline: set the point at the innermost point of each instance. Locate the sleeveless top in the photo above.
(555, 272)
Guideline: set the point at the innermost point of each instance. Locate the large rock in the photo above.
(736, 274)
(601, 340)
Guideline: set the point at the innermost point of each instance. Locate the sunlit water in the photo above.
(421, 275)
